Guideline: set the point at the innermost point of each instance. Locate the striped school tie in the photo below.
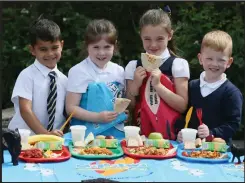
(51, 101)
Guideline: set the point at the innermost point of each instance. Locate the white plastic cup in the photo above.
(131, 131)
(24, 134)
(78, 133)
(189, 134)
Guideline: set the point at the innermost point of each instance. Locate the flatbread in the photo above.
(121, 104)
(150, 62)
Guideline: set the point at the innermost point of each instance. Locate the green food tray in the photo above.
(117, 152)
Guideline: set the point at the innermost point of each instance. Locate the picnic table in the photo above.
(123, 169)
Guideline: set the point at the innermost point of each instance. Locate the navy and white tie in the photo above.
(51, 101)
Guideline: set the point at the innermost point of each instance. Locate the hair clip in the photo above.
(167, 9)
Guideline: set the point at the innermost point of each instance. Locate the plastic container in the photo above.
(24, 134)
(189, 134)
(78, 133)
(131, 131)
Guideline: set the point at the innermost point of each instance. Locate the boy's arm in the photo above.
(232, 109)
(72, 103)
(29, 117)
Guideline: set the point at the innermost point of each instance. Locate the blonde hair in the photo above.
(156, 17)
(218, 40)
(96, 29)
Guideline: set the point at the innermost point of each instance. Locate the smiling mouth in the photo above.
(213, 70)
(101, 59)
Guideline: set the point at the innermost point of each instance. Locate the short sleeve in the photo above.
(23, 87)
(180, 68)
(121, 75)
(129, 70)
(78, 80)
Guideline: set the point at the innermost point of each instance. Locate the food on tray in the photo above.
(100, 137)
(93, 151)
(105, 143)
(51, 145)
(121, 104)
(219, 140)
(150, 62)
(204, 154)
(148, 151)
(160, 143)
(44, 138)
(109, 137)
(209, 138)
(189, 145)
(38, 153)
(198, 143)
(155, 135)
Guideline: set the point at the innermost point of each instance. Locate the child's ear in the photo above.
(62, 43)
(199, 56)
(170, 35)
(31, 49)
(230, 61)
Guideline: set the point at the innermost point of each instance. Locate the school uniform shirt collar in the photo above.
(107, 68)
(45, 70)
(211, 85)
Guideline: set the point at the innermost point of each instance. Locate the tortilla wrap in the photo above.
(121, 104)
(150, 62)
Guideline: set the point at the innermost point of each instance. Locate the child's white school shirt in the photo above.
(33, 84)
(180, 67)
(86, 71)
(207, 88)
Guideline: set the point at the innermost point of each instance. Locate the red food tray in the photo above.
(64, 156)
(136, 156)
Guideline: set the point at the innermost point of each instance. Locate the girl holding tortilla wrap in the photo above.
(161, 90)
(95, 83)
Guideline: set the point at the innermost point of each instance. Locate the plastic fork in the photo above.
(199, 115)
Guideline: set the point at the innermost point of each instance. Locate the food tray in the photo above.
(136, 156)
(64, 156)
(117, 152)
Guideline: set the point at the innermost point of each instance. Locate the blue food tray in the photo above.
(199, 160)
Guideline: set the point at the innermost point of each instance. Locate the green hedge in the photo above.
(191, 21)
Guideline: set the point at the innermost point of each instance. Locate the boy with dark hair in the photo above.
(40, 89)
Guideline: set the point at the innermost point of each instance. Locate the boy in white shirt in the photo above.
(39, 91)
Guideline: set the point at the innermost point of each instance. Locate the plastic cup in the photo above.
(189, 134)
(78, 133)
(24, 134)
(131, 131)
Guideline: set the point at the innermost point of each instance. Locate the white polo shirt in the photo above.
(207, 88)
(33, 84)
(86, 71)
(180, 67)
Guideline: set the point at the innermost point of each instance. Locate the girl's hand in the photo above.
(107, 116)
(179, 137)
(156, 75)
(139, 76)
(56, 132)
(203, 131)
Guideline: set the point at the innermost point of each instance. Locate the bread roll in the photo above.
(220, 140)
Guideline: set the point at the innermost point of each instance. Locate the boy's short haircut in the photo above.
(45, 30)
(218, 40)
